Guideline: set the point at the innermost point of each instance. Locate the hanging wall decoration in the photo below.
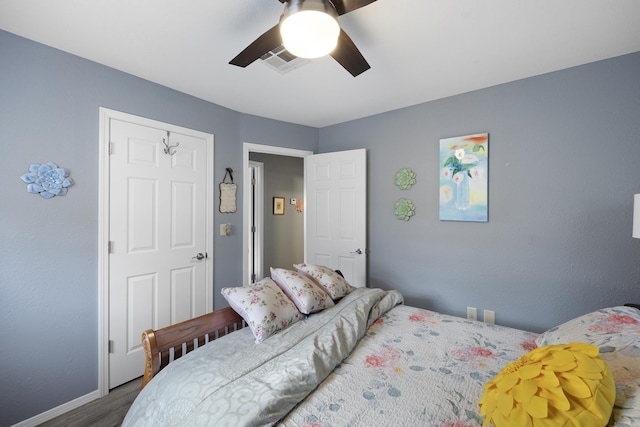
(464, 178)
(47, 180)
(404, 209)
(228, 193)
(405, 178)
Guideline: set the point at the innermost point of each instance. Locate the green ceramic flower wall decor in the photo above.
(404, 209)
(405, 178)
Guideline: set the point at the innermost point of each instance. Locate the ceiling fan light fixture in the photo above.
(309, 28)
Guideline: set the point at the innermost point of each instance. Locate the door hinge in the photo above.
(253, 278)
(111, 148)
(253, 181)
(253, 228)
(110, 247)
(111, 346)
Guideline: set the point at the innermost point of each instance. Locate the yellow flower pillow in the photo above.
(563, 385)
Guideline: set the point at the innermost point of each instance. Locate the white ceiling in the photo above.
(419, 50)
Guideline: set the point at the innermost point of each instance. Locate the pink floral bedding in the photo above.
(404, 373)
(369, 362)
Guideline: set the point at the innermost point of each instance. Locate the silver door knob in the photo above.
(357, 251)
(199, 257)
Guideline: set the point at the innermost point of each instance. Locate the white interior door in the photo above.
(336, 212)
(158, 264)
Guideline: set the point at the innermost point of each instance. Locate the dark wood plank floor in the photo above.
(108, 411)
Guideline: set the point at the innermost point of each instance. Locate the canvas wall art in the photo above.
(464, 162)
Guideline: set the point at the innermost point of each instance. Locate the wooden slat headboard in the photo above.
(164, 345)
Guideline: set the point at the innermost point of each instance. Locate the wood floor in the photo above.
(108, 411)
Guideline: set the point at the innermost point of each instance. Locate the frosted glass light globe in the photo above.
(310, 33)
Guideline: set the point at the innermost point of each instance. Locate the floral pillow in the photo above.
(332, 282)
(601, 327)
(264, 307)
(623, 362)
(616, 331)
(305, 293)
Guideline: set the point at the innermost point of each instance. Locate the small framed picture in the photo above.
(278, 205)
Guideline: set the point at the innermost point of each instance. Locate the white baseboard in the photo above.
(59, 410)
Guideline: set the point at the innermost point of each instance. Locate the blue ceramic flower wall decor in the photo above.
(47, 179)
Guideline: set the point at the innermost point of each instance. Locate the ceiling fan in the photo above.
(345, 51)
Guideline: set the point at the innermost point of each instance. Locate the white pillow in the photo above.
(305, 293)
(332, 282)
(264, 307)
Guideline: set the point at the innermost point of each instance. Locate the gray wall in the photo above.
(564, 153)
(283, 234)
(49, 104)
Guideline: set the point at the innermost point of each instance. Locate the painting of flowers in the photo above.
(464, 178)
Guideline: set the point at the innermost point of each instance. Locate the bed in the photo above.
(367, 359)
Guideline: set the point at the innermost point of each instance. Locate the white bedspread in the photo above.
(235, 382)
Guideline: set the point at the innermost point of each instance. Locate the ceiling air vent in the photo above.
(282, 61)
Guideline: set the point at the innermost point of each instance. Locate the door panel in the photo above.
(140, 289)
(142, 213)
(183, 212)
(335, 206)
(183, 294)
(158, 210)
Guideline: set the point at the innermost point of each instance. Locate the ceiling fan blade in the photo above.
(345, 6)
(263, 44)
(348, 55)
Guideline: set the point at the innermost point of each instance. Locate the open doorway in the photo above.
(278, 218)
(268, 239)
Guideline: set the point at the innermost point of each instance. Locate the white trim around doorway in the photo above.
(247, 148)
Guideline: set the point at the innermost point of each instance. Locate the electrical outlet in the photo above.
(472, 313)
(489, 316)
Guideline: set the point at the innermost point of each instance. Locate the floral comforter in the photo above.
(370, 362)
(414, 367)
